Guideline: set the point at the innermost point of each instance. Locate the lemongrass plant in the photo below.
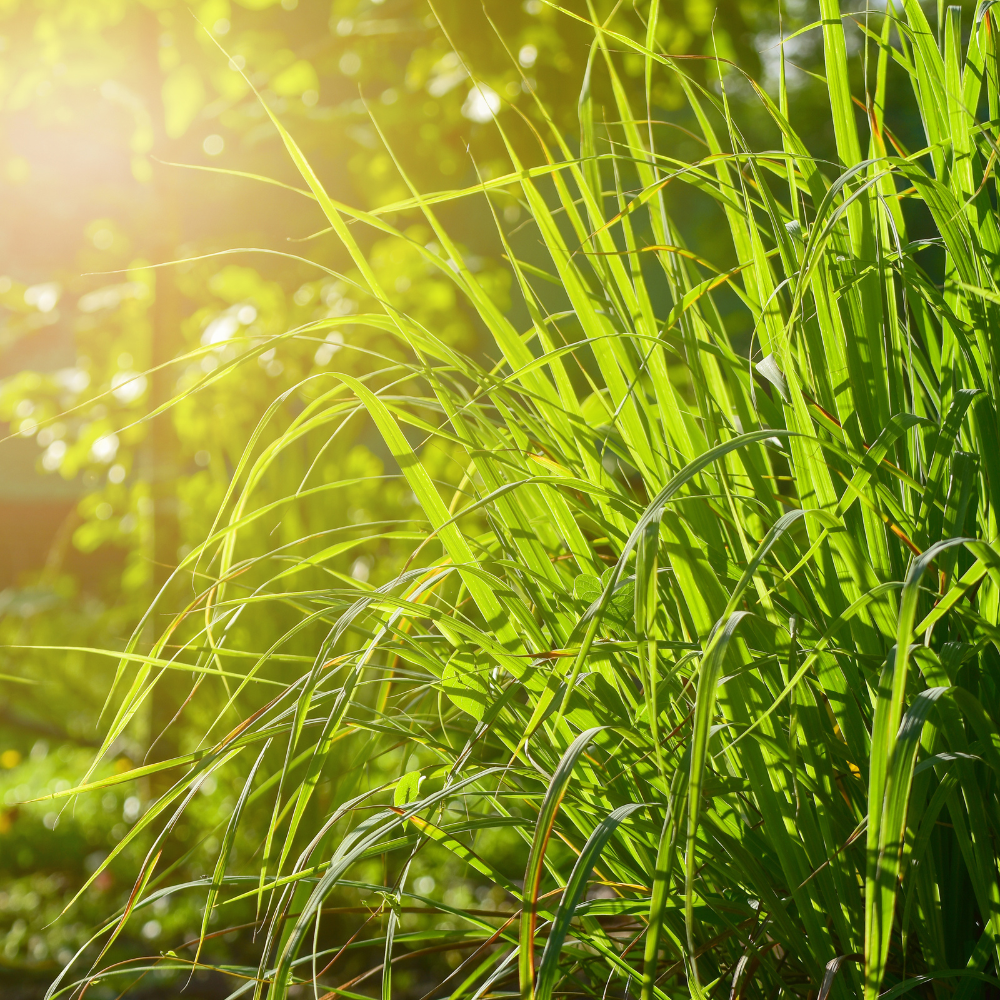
(693, 670)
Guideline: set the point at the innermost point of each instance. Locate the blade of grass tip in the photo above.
(226, 171)
(536, 858)
(548, 968)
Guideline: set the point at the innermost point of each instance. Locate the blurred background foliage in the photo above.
(101, 99)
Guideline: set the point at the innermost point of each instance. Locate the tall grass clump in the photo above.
(688, 683)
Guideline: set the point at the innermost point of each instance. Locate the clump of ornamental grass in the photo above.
(688, 684)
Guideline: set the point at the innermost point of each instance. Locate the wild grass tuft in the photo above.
(689, 682)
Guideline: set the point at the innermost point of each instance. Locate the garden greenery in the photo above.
(691, 668)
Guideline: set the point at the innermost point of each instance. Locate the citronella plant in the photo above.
(687, 684)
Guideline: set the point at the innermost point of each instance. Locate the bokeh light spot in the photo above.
(482, 104)
(350, 63)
